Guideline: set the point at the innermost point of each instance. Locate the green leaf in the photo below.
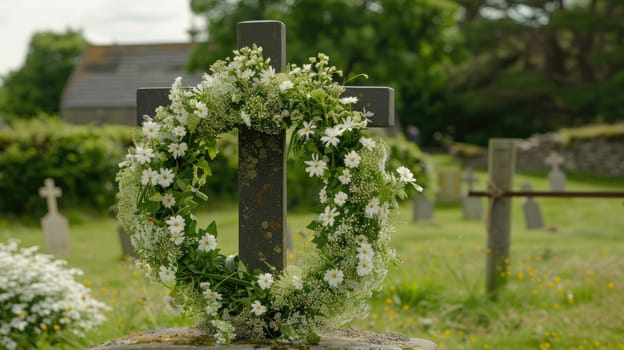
(212, 228)
(192, 122)
(156, 197)
(201, 195)
(213, 151)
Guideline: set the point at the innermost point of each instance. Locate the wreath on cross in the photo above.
(160, 185)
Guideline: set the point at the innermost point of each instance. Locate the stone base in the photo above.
(196, 339)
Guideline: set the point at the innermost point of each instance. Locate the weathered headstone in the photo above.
(449, 185)
(556, 177)
(423, 208)
(262, 182)
(55, 226)
(473, 206)
(532, 210)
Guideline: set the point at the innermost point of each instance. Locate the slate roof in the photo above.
(109, 75)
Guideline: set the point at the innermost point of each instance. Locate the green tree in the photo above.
(37, 86)
(400, 43)
(535, 66)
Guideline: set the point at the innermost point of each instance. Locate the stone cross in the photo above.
(472, 206)
(532, 210)
(262, 157)
(556, 177)
(55, 226)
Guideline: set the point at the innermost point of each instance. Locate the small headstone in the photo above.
(127, 249)
(449, 184)
(54, 225)
(532, 211)
(423, 208)
(473, 206)
(556, 177)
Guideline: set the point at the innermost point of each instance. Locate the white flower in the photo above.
(384, 211)
(245, 117)
(211, 295)
(372, 208)
(349, 124)
(297, 282)
(352, 159)
(348, 100)
(173, 305)
(364, 267)
(368, 143)
(286, 85)
(201, 110)
(345, 178)
(151, 129)
(316, 166)
(177, 237)
(167, 274)
(144, 154)
(257, 308)
(267, 75)
(265, 281)
(178, 149)
(323, 195)
(365, 251)
(168, 201)
(307, 130)
(149, 177)
(361, 239)
(165, 177)
(340, 198)
(176, 224)
(208, 243)
(331, 137)
(328, 216)
(406, 175)
(179, 132)
(246, 74)
(333, 277)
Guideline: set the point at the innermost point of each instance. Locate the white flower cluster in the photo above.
(160, 184)
(40, 295)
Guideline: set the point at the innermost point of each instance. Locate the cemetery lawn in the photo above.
(565, 289)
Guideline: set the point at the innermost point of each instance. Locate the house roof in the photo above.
(109, 75)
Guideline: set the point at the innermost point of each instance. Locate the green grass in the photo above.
(565, 288)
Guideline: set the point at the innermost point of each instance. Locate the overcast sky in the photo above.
(102, 22)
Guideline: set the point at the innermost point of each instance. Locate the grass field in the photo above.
(565, 290)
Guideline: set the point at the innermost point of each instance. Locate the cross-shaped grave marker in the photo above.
(55, 226)
(262, 157)
(556, 177)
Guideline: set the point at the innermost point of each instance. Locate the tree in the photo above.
(400, 43)
(37, 86)
(536, 65)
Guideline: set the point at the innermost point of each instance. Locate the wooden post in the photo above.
(501, 168)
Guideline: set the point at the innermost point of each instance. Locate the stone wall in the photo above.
(599, 156)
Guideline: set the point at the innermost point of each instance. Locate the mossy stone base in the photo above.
(197, 339)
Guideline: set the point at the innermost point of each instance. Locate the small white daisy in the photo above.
(334, 277)
(151, 129)
(149, 177)
(328, 217)
(368, 143)
(208, 243)
(297, 283)
(340, 198)
(316, 166)
(167, 274)
(257, 308)
(178, 149)
(352, 159)
(372, 208)
(364, 267)
(168, 201)
(331, 137)
(177, 237)
(286, 85)
(265, 281)
(179, 132)
(144, 154)
(201, 110)
(365, 251)
(405, 175)
(165, 177)
(345, 177)
(176, 224)
(307, 130)
(348, 100)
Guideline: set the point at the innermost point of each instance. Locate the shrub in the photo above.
(39, 297)
(82, 159)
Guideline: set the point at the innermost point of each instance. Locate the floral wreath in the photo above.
(160, 184)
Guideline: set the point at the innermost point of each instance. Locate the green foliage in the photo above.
(535, 66)
(81, 159)
(37, 86)
(399, 43)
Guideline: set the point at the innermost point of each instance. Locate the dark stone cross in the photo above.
(262, 157)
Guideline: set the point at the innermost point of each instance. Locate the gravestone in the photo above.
(473, 206)
(556, 177)
(262, 188)
(449, 184)
(423, 208)
(262, 184)
(532, 210)
(55, 226)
